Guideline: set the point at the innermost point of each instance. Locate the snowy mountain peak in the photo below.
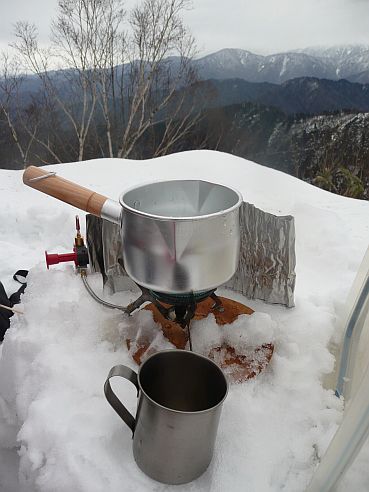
(335, 62)
(337, 51)
(230, 56)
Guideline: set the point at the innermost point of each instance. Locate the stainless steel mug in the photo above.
(180, 396)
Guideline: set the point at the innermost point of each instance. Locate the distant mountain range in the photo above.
(233, 70)
(303, 146)
(303, 112)
(339, 62)
(301, 95)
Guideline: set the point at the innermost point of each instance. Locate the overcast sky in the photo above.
(262, 26)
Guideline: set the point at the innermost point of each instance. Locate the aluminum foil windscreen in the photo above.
(266, 268)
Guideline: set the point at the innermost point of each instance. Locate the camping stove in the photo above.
(174, 313)
(178, 308)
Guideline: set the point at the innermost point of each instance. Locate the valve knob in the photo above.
(79, 255)
(54, 258)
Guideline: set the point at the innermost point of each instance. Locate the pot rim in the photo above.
(182, 219)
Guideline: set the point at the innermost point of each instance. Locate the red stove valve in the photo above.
(54, 258)
(79, 255)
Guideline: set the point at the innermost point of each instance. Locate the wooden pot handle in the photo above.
(64, 190)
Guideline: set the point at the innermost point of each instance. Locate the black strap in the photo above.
(5, 314)
(20, 273)
(20, 277)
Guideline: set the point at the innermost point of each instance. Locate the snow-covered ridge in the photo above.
(334, 63)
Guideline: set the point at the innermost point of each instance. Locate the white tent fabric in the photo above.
(355, 346)
(353, 385)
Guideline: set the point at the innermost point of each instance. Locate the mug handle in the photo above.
(124, 414)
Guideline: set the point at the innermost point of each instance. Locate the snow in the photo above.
(284, 65)
(57, 432)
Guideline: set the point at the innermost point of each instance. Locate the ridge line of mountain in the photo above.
(308, 95)
(350, 62)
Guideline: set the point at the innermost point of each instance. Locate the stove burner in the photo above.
(181, 299)
(179, 308)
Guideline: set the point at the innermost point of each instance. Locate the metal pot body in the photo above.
(178, 236)
(194, 247)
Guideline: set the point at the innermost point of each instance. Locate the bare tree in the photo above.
(157, 33)
(10, 81)
(64, 87)
(23, 113)
(114, 75)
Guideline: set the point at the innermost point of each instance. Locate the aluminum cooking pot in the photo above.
(178, 236)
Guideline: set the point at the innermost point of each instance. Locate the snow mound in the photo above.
(54, 364)
(55, 357)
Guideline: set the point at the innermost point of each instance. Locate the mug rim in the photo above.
(195, 412)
